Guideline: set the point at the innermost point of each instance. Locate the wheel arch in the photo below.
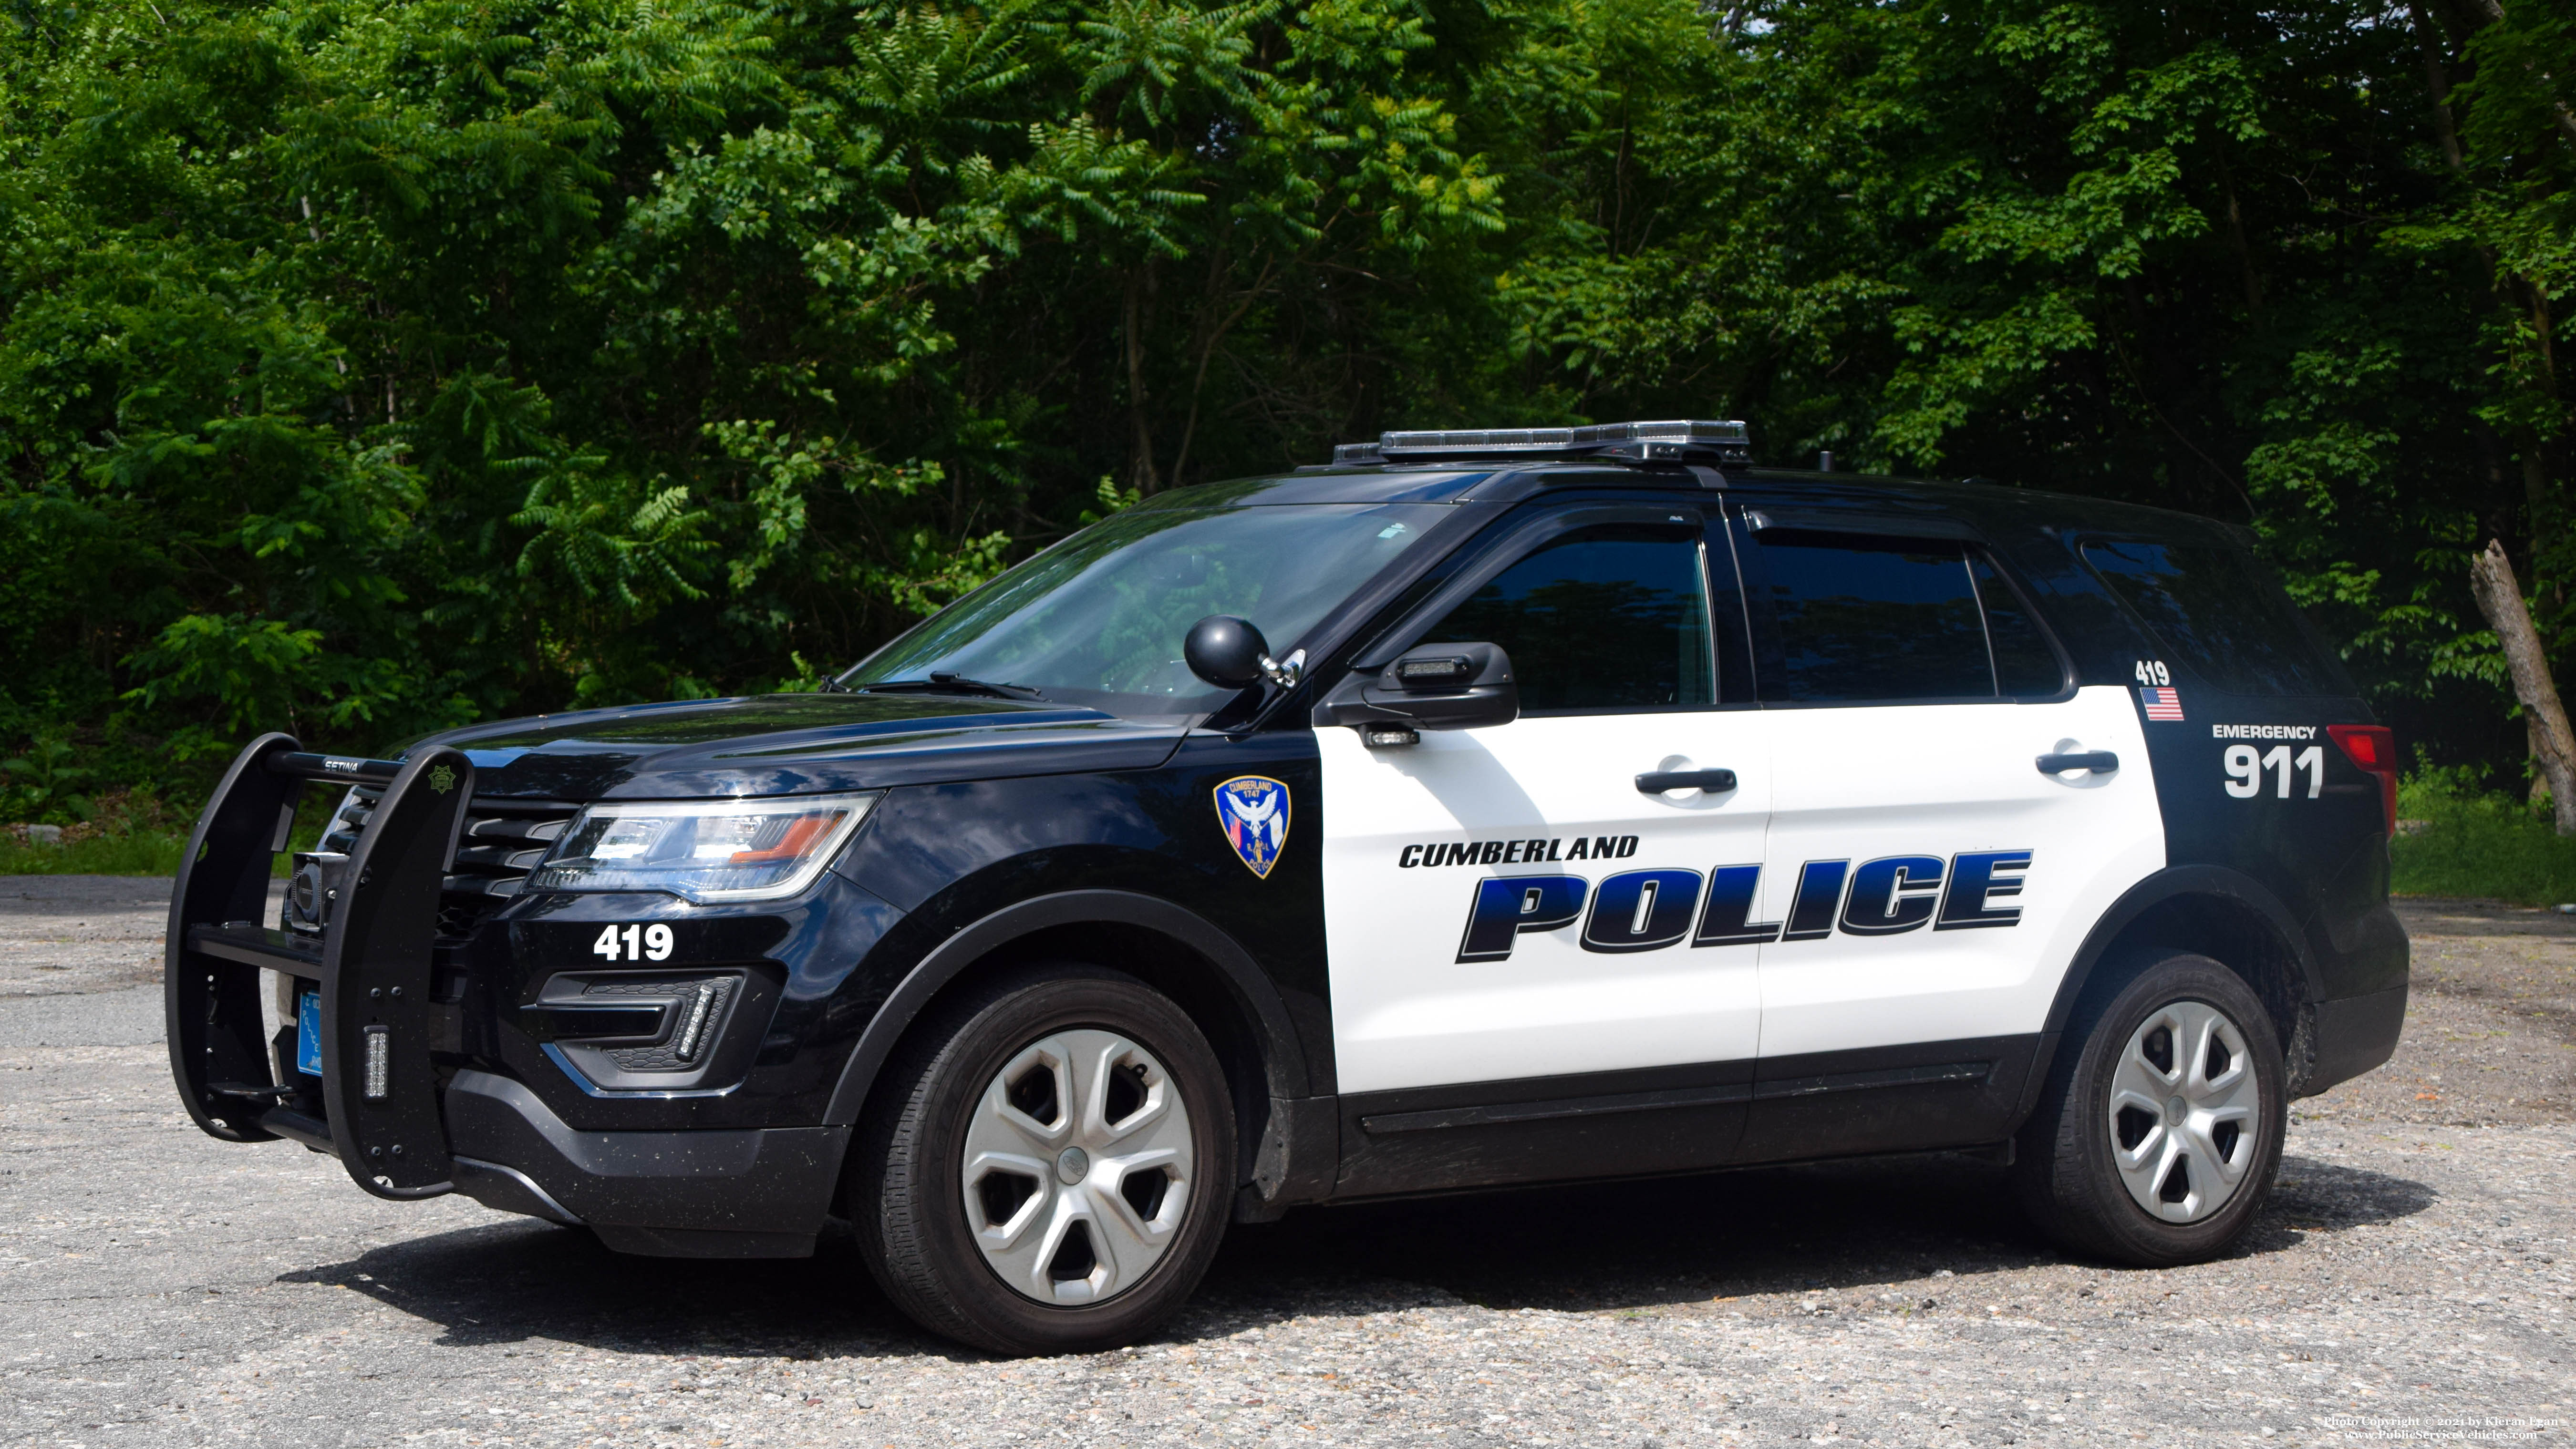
(1171, 948)
(2223, 914)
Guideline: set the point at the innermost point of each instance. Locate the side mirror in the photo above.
(1231, 654)
(1434, 687)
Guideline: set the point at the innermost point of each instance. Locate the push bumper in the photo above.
(375, 1104)
(750, 1193)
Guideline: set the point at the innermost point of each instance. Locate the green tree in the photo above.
(365, 369)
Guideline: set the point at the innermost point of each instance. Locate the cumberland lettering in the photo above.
(1515, 852)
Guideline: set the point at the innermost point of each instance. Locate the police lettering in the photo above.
(1648, 910)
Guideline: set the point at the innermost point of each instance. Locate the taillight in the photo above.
(2372, 750)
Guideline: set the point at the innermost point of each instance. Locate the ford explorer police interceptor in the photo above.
(1480, 808)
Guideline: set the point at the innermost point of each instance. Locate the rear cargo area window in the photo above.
(1870, 619)
(2219, 613)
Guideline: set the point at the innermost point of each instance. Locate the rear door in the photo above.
(1927, 873)
(1508, 914)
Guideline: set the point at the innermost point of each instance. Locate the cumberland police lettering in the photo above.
(1648, 910)
(1515, 852)
(2262, 732)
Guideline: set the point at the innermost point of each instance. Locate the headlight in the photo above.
(705, 850)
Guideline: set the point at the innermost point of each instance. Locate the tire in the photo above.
(1047, 1165)
(2097, 1170)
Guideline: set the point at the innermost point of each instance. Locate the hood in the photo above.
(797, 744)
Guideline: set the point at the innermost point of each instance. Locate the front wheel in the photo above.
(2160, 1130)
(1046, 1168)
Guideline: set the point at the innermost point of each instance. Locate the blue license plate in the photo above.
(308, 1033)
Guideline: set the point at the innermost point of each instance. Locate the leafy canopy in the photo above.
(365, 369)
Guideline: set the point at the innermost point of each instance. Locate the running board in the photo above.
(1712, 1096)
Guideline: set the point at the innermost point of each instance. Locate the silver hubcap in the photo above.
(1077, 1167)
(2184, 1108)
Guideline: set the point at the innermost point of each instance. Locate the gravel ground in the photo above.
(2412, 1278)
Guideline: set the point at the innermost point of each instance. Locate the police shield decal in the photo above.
(1253, 809)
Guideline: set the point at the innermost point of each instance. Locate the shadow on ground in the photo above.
(1830, 1227)
(1836, 1227)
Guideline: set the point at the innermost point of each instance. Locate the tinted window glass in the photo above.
(1603, 618)
(2217, 612)
(2024, 664)
(1874, 619)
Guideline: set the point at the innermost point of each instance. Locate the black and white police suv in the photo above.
(1481, 808)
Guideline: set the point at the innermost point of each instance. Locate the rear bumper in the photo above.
(748, 1193)
(2355, 1034)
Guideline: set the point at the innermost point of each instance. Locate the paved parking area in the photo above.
(2412, 1278)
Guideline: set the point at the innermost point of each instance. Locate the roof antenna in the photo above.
(1825, 461)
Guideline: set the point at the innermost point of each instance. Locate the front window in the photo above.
(1602, 619)
(1098, 619)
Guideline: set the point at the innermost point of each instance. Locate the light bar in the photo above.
(1681, 440)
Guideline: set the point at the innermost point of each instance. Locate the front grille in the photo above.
(502, 840)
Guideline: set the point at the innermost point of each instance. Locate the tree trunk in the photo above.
(2500, 599)
(2439, 83)
(1140, 309)
(2539, 781)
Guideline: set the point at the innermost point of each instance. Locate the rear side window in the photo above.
(1604, 618)
(2219, 613)
(2024, 664)
(1896, 619)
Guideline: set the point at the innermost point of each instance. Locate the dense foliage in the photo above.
(365, 368)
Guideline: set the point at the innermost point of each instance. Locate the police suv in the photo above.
(1481, 808)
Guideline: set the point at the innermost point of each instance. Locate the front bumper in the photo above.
(745, 1193)
(519, 1065)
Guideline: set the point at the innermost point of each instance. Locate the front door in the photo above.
(1925, 880)
(1510, 917)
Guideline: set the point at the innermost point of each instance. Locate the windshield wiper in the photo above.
(943, 682)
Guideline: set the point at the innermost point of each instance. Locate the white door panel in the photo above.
(1563, 975)
(2021, 865)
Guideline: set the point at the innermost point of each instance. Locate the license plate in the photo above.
(308, 1033)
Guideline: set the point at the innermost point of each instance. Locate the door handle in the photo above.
(2098, 761)
(1656, 782)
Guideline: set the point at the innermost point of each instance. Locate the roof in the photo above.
(1990, 504)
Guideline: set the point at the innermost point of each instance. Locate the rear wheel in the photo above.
(2159, 1132)
(1046, 1167)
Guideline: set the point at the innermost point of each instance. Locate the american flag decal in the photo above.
(2161, 703)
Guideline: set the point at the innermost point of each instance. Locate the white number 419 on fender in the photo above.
(633, 943)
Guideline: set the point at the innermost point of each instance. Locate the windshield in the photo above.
(1099, 618)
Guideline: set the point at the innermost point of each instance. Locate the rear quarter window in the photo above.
(2218, 612)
